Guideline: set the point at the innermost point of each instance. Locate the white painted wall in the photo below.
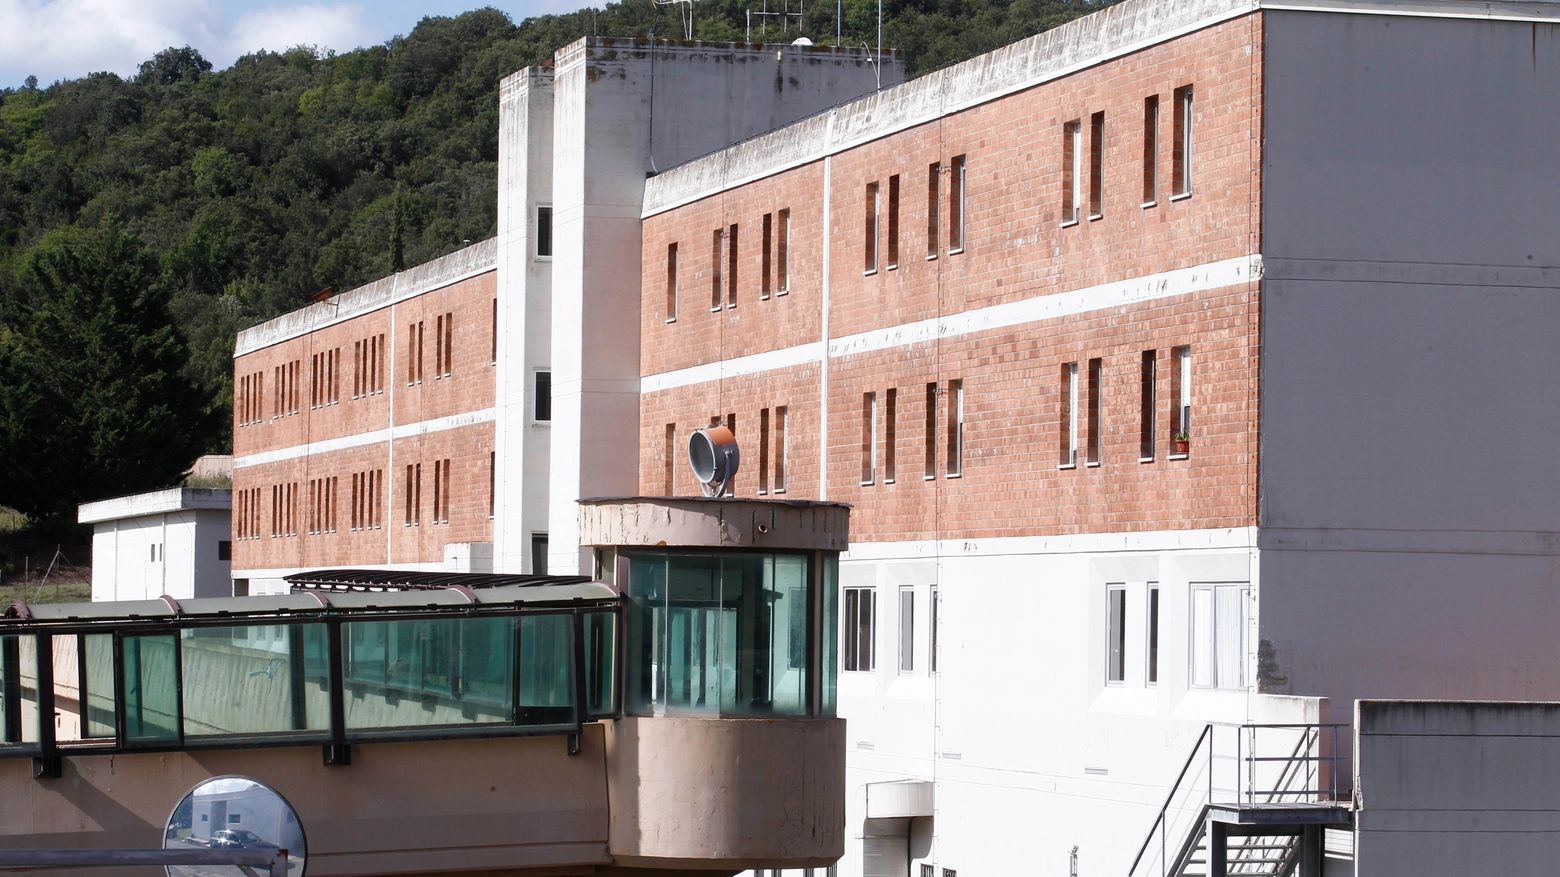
(624, 110)
(1408, 521)
(173, 553)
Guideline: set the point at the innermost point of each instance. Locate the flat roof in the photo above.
(156, 502)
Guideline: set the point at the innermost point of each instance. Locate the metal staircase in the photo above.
(1251, 800)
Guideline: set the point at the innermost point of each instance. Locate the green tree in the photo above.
(93, 399)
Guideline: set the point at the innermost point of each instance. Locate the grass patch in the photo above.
(63, 592)
(11, 520)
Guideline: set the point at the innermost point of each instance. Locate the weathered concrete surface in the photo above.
(1457, 788)
(715, 523)
(739, 793)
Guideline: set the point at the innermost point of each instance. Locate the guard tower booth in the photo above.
(673, 716)
(729, 675)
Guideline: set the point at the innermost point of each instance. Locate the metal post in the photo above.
(1311, 851)
(1218, 850)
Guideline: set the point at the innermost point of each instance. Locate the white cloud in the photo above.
(336, 26)
(62, 39)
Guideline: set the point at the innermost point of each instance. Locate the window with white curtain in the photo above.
(1219, 635)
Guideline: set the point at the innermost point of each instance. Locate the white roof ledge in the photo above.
(156, 502)
(900, 799)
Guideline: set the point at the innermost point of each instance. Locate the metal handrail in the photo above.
(1165, 808)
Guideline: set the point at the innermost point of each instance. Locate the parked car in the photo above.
(238, 839)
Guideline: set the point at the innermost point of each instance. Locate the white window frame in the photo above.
(907, 631)
(1210, 664)
(1116, 635)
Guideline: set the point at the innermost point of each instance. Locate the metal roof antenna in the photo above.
(715, 458)
(683, 16)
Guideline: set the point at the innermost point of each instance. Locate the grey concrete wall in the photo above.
(1408, 514)
(1457, 788)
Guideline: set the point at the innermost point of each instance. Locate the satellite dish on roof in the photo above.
(715, 458)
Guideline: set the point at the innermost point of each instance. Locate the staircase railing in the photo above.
(1306, 771)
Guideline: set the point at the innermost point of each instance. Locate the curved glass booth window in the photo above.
(723, 633)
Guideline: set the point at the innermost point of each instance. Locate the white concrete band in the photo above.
(358, 440)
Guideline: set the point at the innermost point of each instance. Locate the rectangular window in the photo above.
(1181, 150)
(868, 438)
(1150, 150)
(860, 636)
(956, 197)
(444, 507)
(906, 630)
(357, 369)
(544, 240)
(780, 448)
(1069, 417)
(438, 347)
(1096, 404)
(933, 208)
(1116, 635)
(783, 254)
(1097, 166)
(438, 496)
(492, 481)
(449, 345)
(869, 231)
(1181, 399)
(731, 268)
(1219, 635)
(1153, 633)
(764, 267)
(1148, 375)
(671, 283)
(668, 463)
(955, 428)
(890, 427)
(893, 221)
(763, 451)
(1072, 171)
(930, 470)
(931, 631)
(493, 359)
(539, 554)
(543, 397)
(717, 253)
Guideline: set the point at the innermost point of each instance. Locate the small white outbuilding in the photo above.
(176, 542)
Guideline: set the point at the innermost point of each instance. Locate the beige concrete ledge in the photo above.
(696, 522)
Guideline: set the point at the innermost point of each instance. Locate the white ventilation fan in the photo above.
(715, 458)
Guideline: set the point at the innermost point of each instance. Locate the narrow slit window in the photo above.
(765, 267)
(716, 254)
(868, 438)
(906, 631)
(1096, 165)
(783, 253)
(379, 366)
(444, 513)
(669, 459)
(869, 231)
(438, 347)
(1116, 635)
(860, 634)
(357, 369)
(493, 358)
(1096, 405)
(1069, 416)
(1181, 178)
(542, 400)
(1181, 400)
(1148, 375)
(781, 448)
(492, 482)
(411, 354)
(438, 497)
(930, 471)
(957, 187)
(1072, 171)
(931, 630)
(671, 283)
(731, 268)
(1153, 633)
(763, 451)
(893, 221)
(955, 428)
(890, 427)
(419, 351)
(1150, 150)
(449, 344)
(544, 228)
(933, 208)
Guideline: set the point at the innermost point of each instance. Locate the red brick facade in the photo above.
(345, 378)
(1016, 247)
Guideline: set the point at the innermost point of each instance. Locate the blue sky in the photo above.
(64, 39)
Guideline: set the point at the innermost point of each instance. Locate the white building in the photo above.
(175, 542)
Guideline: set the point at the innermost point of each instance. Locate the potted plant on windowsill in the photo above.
(1183, 442)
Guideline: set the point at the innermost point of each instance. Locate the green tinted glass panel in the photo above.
(691, 641)
(829, 627)
(646, 627)
(18, 690)
(600, 663)
(150, 683)
(428, 673)
(546, 670)
(98, 677)
(253, 679)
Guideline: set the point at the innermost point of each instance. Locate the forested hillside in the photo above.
(143, 221)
